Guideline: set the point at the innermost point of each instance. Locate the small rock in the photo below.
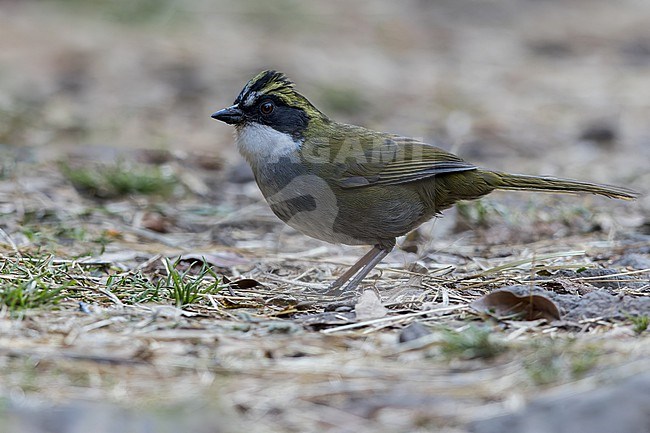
(599, 132)
(412, 332)
(634, 261)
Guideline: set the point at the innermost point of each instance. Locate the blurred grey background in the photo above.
(544, 86)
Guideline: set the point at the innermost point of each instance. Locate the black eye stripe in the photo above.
(283, 117)
(255, 105)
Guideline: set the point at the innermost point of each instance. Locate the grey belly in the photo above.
(302, 200)
(317, 209)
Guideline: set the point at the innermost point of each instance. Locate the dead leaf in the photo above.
(154, 221)
(369, 306)
(505, 303)
(244, 283)
(217, 260)
(327, 319)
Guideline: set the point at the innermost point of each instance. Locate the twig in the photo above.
(148, 234)
(395, 319)
(533, 259)
(296, 282)
(10, 242)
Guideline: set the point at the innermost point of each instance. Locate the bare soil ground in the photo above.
(111, 170)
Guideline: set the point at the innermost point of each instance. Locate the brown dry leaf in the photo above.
(155, 221)
(244, 283)
(505, 303)
(218, 260)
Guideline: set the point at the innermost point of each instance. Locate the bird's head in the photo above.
(270, 100)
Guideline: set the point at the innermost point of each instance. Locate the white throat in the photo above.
(261, 144)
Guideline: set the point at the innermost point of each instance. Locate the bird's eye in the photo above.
(267, 107)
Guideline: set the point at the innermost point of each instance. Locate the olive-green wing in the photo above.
(397, 161)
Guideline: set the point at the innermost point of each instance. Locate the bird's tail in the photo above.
(524, 182)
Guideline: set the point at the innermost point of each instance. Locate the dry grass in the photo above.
(286, 354)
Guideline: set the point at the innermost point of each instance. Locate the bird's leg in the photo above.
(340, 281)
(360, 269)
(378, 257)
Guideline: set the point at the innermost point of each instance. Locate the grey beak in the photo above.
(231, 115)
